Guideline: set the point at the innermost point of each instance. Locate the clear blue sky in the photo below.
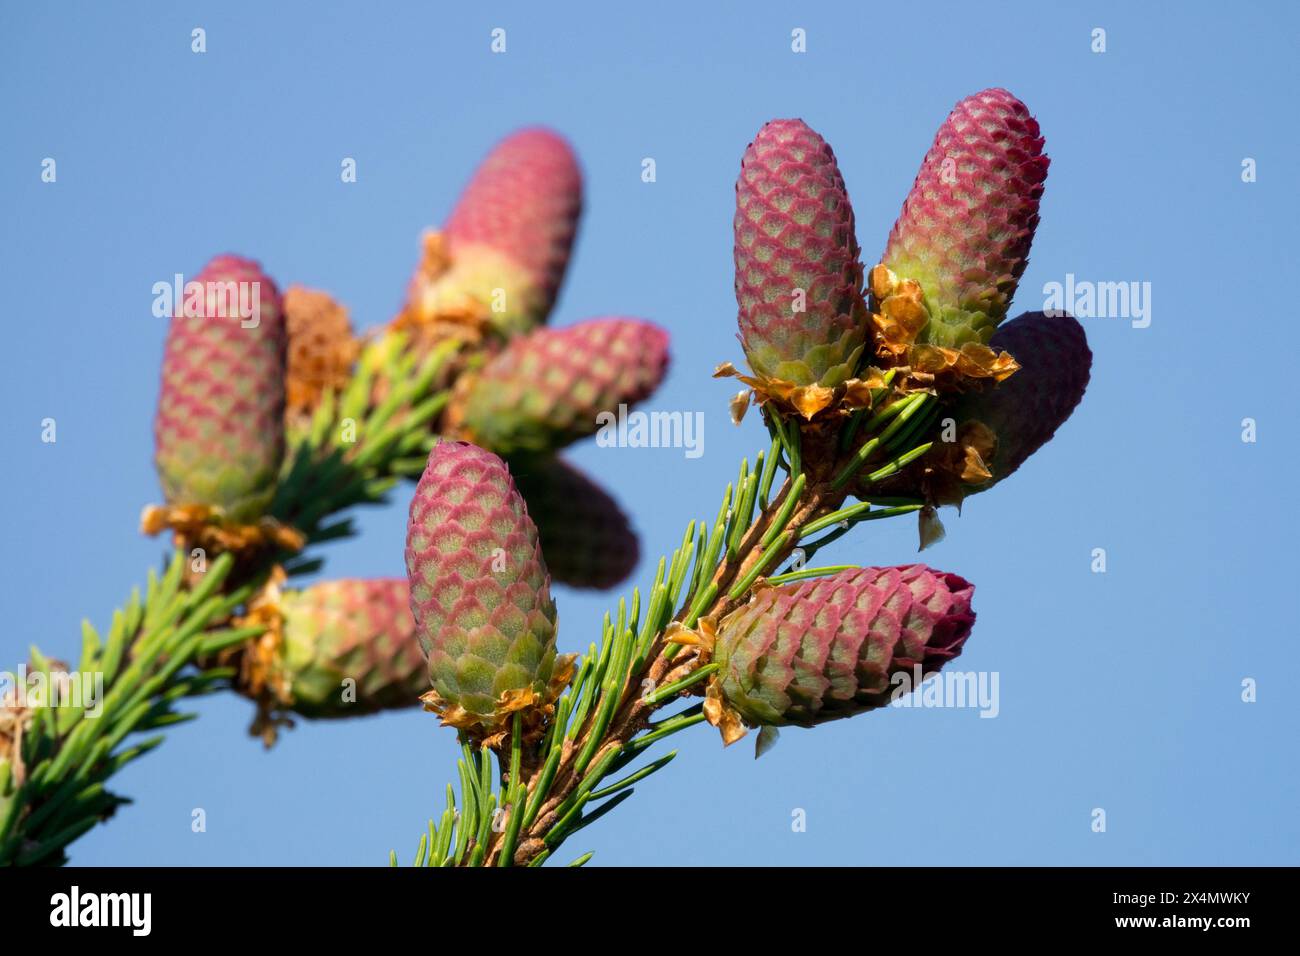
(1119, 690)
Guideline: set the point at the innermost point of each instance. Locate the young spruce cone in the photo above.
(219, 430)
(351, 629)
(798, 276)
(818, 650)
(480, 590)
(507, 242)
(546, 389)
(584, 534)
(966, 226)
(1020, 415)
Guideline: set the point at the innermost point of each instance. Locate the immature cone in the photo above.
(502, 253)
(823, 649)
(546, 389)
(219, 431)
(584, 534)
(350, 630)
(966, 226)
(321, 348)
(480, 590)
(1025, 411)
(798, 276)
(999, 427)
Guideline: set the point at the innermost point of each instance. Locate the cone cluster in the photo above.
(488, 280)
(932, 308)
(949, 270)
(825, 339)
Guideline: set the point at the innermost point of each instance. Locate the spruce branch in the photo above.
(61, 760)
(604, 721)
(851, 382)
(824, 369)
(183, 638)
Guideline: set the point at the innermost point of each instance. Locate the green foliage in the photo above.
(70, 752)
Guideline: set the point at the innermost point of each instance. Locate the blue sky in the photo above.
(1119, 691)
